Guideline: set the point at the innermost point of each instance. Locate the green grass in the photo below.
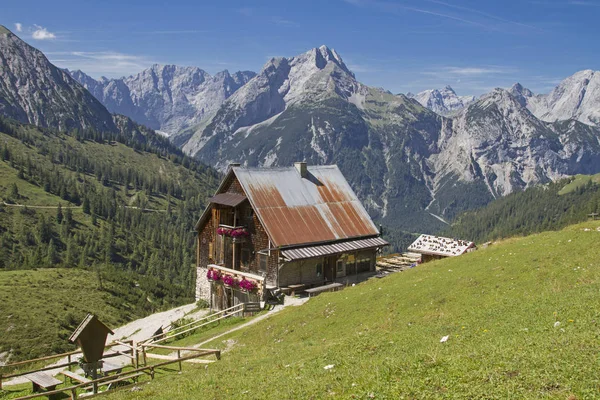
(39, 309)
(579, 181)
(205, 333)
(498, 305)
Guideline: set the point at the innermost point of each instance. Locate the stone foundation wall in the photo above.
(202, 284)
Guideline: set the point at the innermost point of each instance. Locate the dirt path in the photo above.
(73, 207)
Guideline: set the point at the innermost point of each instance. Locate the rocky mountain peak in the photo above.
(442, 101)
(33, 90)
(576, 97)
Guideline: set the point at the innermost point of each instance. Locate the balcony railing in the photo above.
(235, 273)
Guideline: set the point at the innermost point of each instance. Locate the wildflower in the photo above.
(557, 324)
(444, 339)
(328, 366)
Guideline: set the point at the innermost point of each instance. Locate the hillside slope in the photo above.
(139, 261)
(537, 209)
(521, 317)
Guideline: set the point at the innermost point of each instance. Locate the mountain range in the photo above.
(166, 98)
(413, 168)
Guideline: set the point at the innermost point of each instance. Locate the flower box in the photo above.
(213, 275)
(230, 281)
(247, 285)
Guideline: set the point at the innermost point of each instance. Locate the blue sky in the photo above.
(400, 45)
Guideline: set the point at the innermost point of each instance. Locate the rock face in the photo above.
(577, 97)
(411, 167)
(167, 98)
(443, 102)
(34, 91)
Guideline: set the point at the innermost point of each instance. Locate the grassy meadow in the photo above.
(521, 316)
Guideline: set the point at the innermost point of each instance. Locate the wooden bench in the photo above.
(296, 289)
(42, 380)
(252, 307)
(76, 377)
(332, 287)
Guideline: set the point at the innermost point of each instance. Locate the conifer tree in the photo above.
(59, 214)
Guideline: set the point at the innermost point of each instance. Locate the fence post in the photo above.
(133, 355)
(179, 356)
(144, 354)
(0, 381)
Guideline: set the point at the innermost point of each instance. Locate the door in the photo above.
(329, 269)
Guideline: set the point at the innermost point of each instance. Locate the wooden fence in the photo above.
(180, 330)
(123, 376)
(131, 353)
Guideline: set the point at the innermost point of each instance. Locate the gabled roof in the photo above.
(320, 208)
(441, 246)
(294, 210)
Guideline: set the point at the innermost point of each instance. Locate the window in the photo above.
(249, 213)
(245, 256)
(319, 269)
(262, 262)
(340, 266)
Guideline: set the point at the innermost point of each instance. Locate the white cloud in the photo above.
(41, 33)
(19, 27)
(452, 72)
(101, 63)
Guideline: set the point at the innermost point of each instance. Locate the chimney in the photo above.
(233, 164)
(301, 168)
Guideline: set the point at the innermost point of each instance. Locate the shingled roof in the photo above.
(318, 207)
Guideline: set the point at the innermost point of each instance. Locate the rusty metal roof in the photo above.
(441, 246)
(228, 199)
(335, 248)
(319, 208)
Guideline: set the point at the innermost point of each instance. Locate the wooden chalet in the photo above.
(291, 228)
(436, 247)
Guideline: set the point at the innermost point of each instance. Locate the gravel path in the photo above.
(141, 329)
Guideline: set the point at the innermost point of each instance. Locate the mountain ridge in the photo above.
(168, 98)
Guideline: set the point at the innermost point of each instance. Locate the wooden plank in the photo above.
(160, 356)
(324, 288)
(43, 380)
(119, 379)
(76, 377)
(252, 307)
